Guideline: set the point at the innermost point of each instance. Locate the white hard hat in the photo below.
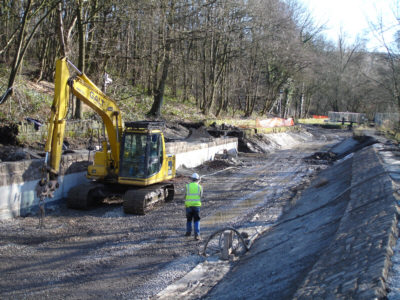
(195, 176)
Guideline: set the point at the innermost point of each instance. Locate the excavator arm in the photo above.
(87, 92)
(56, 124)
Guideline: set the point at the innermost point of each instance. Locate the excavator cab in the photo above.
(142, 158)
(141, 154)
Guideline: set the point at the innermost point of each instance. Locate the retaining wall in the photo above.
(18, 179)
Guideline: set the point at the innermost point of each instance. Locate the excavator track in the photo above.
(139, 201)
(83, 196)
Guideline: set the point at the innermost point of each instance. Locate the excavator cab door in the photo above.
(156, 152)
(141, 155)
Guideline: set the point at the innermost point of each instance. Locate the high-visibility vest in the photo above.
(193, 194)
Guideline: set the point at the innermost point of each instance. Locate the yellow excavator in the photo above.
(132, 164)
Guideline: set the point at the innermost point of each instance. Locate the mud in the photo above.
(105, 254)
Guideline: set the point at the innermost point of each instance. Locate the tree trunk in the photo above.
(302, 102)
(91, 34)
(17, 56)
(61, 38)
(21, 49)
(43, 59)
(78, 114)
(159, 92)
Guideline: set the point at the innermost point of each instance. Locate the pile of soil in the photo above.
(218, 164)
(175, 132)
(199, 134)
(321, 158)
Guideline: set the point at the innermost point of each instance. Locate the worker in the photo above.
(193, 194)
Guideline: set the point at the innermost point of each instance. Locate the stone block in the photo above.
(350, 286)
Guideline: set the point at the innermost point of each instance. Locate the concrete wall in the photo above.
(18, 179)
(192, 154)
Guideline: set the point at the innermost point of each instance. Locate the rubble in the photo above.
(321, 158)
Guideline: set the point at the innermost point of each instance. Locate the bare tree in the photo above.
(387, 74)
(24, 40)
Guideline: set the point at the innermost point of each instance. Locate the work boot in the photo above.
(197, 237)
(187, 234)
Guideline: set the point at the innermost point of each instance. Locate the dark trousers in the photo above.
(193, 213)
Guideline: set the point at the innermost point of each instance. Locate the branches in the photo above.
(23, 42)
(222, 55)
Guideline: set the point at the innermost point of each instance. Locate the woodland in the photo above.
(226, 58)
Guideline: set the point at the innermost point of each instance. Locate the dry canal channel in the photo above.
(105, 254)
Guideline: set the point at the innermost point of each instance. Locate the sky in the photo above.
(353, 17)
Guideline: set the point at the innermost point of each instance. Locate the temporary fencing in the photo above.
(274, 122)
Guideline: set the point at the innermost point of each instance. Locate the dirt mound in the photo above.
(196, 131)
(321, 158)
(200, 133)
(174, 131)
(218, 164)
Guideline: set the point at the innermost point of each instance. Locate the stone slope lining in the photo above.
(334, 243)
(356, 263)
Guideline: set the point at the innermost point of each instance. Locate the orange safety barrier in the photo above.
(274, 122)
(320, 117)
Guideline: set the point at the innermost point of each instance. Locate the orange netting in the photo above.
(274, 122)
(320, 117)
